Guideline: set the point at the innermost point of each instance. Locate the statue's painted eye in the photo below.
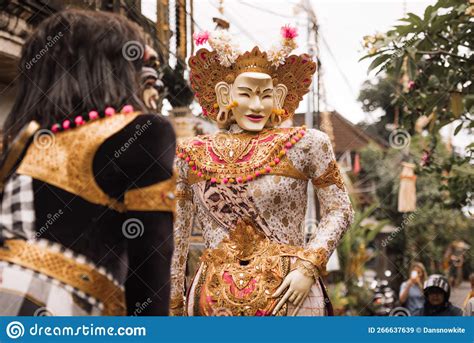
(244, 95)
(268, 96)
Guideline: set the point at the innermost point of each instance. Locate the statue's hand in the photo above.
(297, 286)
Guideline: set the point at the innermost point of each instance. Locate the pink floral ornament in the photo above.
(288, 32)
(201, 38)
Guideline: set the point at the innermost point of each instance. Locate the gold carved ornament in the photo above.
(239, 277)
(206, 71)
(235, 158)
(160, 196)
(56, 265)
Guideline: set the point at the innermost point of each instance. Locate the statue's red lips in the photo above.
(254, 117)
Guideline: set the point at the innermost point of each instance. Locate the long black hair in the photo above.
(74, 62)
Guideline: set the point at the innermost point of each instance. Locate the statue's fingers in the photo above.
(299, 302)
(297, 299)
(293, 297)
(282, 287)
(297, 308)
(282, 302)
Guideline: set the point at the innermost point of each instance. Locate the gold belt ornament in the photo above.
(66, 270)
(239, 277)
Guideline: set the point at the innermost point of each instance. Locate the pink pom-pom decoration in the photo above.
(288, 32)
(55, 128)
(201, 38)
(109, 111)
(93, 115)
(66, 124)
(79, 120)
(127, 109)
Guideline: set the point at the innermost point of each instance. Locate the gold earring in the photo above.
(275, 119)
(278, 111)
(232, 105)
(276, 116)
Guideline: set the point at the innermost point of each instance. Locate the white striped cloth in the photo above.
(17, 213)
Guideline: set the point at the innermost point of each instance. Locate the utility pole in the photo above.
(312, 208)
(313, 50)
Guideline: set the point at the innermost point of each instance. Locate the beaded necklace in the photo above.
(92, 115)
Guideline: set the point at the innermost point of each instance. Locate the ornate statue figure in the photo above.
(246, 185)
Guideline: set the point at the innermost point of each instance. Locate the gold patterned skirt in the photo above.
(239, 277)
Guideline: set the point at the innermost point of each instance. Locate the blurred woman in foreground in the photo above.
(86, 222)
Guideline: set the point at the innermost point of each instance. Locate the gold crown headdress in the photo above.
(225, 63)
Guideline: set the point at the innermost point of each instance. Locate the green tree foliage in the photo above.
(427, 67)
(379, 94)
(434, 51)
(438, 220)
(353, 255)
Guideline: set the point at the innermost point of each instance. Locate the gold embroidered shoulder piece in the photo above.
(331, 176)
(241, 157)
(157, 197)
(67, 162)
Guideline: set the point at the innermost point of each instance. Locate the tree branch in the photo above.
(441, 52)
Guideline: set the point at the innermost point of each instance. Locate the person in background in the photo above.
(469, 302)
(437, 292)
(411, 291)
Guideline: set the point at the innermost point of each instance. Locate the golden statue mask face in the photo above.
(251, 98)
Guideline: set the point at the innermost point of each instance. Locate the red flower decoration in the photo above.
(288, 32)
(201, 38)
